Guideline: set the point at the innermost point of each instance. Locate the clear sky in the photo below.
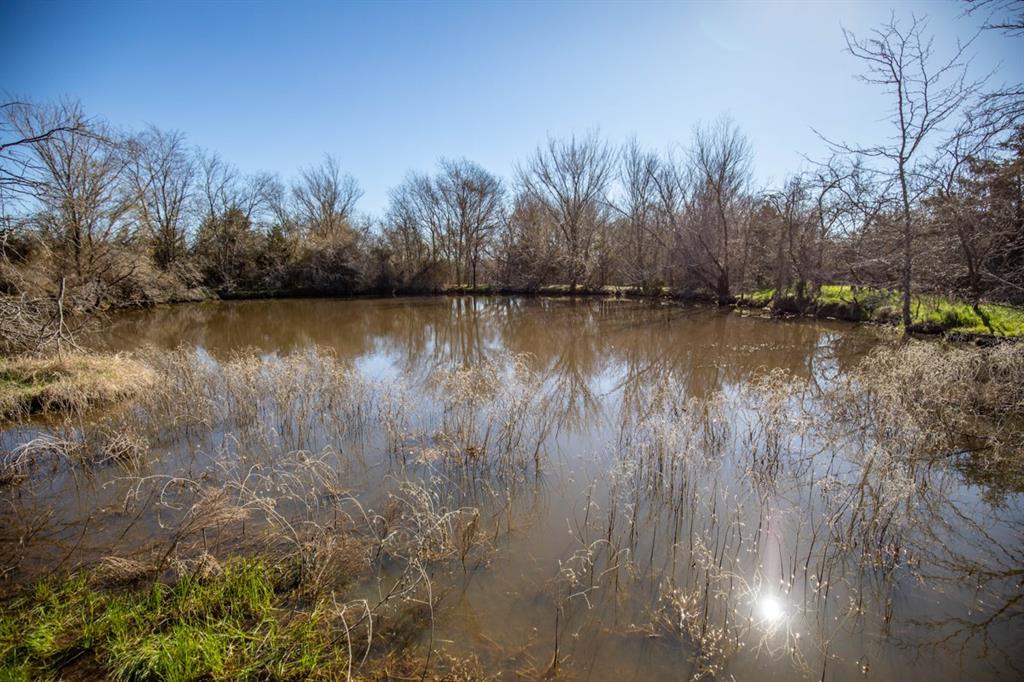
(391, 87)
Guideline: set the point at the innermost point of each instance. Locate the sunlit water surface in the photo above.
(631, 566)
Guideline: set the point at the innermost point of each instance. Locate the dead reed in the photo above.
(766, 522)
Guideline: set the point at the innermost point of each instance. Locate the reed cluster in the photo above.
(284, 515)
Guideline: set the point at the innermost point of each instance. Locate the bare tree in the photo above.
(806, 209)
(706, 201)
(673, 184)
(830, 211)
(161, 174)
(416, 208)
(78, 200)
(231, 206)
(35, 319)
(217, 182)
(789, 216)
(925, 93)
(1000, 15)
(721, 159)
(276, 195)
(19, 166)
(569, 178)
(405, 259)
(1004, 104)
(860, 235)
(455, 213)
(324, 199)
(637, 207)
(976, 209)
(221, 187)
(472, 206)
(528, 245)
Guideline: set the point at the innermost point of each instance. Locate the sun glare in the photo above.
(770, 609)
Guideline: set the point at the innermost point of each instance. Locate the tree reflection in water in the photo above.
(664, 491)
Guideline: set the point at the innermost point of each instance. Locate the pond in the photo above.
(588, 488)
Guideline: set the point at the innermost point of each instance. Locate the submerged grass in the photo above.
(928, 312)
(314, 584)
(962, 402)
(771, 521)
(73, 383)
(820, 501)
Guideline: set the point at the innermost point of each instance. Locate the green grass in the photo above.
(995, 320)
(880, 305)
(16, 390)
(761, 297)
(232, 626)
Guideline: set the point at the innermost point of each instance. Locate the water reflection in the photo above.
(589, 348)
(666, 489)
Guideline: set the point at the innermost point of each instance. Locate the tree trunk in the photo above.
(907, 245)
(722, 288)
(780, 272)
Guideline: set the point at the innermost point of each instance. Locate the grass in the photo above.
(995, 320)
(760, 297)
(234, 625)
(281, 613)
(928, 312)
(75, 382)
(284, 618)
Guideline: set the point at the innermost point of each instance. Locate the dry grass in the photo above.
(74, 383)
(946, 380)
(821, 499)
(942, 402)
(262, 477)
(772, 520)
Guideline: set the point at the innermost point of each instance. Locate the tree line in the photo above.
(93, 217)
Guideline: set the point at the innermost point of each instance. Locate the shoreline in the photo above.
(852, 311)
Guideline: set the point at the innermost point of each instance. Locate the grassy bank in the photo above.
(30, 385)
(250, 619)
(930, 314)
(195, 628)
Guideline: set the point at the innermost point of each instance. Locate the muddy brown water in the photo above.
(630, 563)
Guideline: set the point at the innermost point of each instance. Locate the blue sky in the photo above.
(391, 87)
